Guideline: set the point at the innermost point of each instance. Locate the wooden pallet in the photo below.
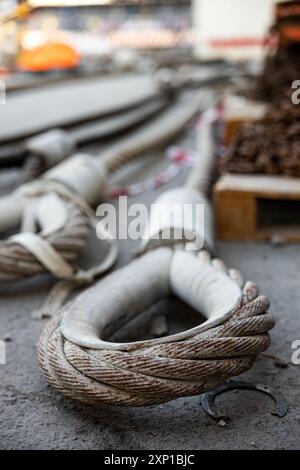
(254, 207)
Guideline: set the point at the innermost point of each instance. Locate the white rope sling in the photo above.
(78, 358)
(54, 211)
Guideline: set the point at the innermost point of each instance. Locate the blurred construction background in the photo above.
(248, 52)
(96, 28)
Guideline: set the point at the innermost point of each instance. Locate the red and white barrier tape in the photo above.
(179, 157)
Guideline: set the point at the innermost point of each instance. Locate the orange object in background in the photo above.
(289, 34)
(50, 56)
(288, 22)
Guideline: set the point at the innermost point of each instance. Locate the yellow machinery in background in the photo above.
(52, 55)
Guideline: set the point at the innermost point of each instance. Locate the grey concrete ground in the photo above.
(34, 416)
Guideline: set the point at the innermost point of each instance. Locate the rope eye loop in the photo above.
(79, 358)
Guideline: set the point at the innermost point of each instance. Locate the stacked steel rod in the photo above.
(272, 145)
(282, 65)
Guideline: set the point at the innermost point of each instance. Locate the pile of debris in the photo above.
(269, 146)
(272, 145)
(282, 66)
(281, 69)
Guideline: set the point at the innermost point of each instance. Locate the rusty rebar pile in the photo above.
(270, 146)
(282, 65)
(281, 69)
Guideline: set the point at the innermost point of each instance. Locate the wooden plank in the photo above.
(260, 185)
(237, 201)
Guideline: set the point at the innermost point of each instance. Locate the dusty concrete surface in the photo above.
(34, 416)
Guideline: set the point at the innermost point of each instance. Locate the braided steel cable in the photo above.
(156, 371)
(17, 262)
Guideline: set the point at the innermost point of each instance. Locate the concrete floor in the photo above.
(34, 416)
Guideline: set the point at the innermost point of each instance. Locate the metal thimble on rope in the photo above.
(54, 213)
(76, 351)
